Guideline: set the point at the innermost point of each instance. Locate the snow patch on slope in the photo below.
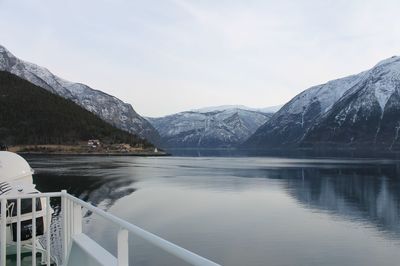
(221, 128)
(351, 95)
(107, 107)
(382, 94)
(386, 75)
(326, 94)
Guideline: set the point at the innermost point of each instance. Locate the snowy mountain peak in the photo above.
(214, 127)
(325, 94)
(4, 50)
(387, 61)
(341, 106)
(107, 107)
(270, 109)
(219, 108)
(384, 79)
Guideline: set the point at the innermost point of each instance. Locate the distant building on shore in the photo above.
(94, 143)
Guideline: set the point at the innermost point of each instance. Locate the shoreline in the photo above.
(85, 150)
(137, 154)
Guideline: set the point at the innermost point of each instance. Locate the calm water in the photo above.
(241, 211)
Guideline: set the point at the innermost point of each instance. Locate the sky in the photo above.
(168, 56)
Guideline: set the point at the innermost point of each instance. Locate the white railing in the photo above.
(72, 215)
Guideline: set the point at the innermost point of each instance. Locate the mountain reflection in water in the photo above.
(96, 181)
(370, 193)
(241, 210)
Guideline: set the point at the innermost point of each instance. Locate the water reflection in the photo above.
(366, 190)
(100, 181)
(242, 211)
(284, 153)
(370, 193)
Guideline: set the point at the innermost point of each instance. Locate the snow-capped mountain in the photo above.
(368, 115)
(107, 107)
(358, 110)
(270, 109)
(209, 127)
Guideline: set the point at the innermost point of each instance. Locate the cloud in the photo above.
(256, 53)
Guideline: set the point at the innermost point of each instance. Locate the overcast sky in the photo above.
(174, 55)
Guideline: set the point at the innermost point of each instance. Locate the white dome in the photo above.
(14, 168)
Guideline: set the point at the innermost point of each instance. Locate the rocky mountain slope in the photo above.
(32, 115)
(368, 115)
(214, 127)
(107, 107)
(362, 110)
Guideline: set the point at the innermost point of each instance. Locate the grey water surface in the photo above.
(240, 210)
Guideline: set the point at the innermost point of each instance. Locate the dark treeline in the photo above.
(31, 115)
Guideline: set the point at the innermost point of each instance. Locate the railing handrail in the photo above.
(171, 248)
(33, 195)
(167, 246)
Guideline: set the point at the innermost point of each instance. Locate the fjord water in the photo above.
(241, 210)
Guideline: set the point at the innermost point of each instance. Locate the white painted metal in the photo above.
(72, 226)
(77, 218)
(48, 234)
(64, 226)
(169, 247)
(84, 249)
(33, 231)
(18, 232)
(70, 222)
(123, 247)
(3, 249)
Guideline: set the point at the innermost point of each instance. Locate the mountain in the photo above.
(209, 127)
(107, 107)
(359, 111)
(31, 115)
(270, 109)
(368, 115)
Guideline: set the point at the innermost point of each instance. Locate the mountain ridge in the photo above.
(32, 115)
(208, 129)
(269, 109)
(295, 123)
(107, 107)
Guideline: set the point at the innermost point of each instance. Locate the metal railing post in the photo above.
(167, 246)
(77, 209)
(72, 224)
(64, 226)
(70, 221)
(34, 231)
(48, 223)
(123, 247)
(3, 249)
(18, 231)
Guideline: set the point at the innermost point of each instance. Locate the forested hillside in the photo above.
(107, 107)
(31, 115)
